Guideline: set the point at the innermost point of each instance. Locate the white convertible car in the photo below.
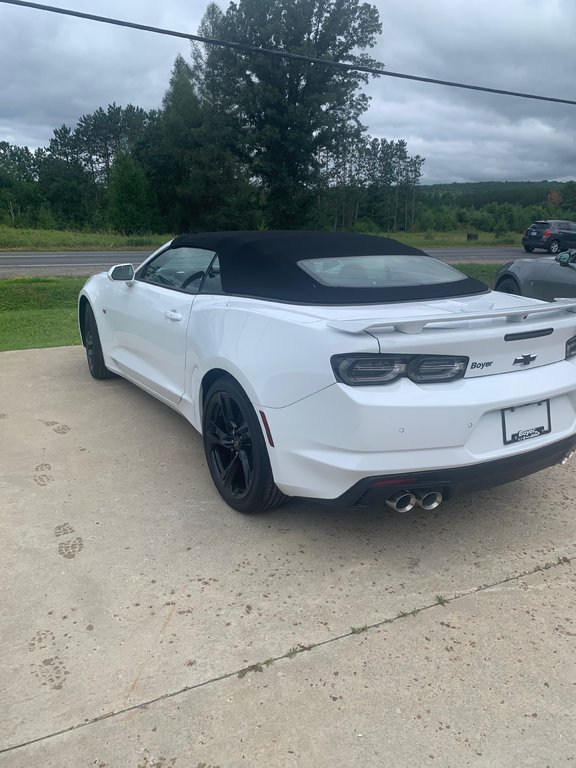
(339, 367)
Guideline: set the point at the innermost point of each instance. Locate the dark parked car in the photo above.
(545, 278)
(551, 235)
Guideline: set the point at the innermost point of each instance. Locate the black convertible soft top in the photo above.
(265, 265)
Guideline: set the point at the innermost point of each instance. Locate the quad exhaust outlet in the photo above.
(404, 501)
(428, 499)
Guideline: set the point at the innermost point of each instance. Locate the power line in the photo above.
(283, 54)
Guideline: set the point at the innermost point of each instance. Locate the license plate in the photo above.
(533, 234)
(523, 422)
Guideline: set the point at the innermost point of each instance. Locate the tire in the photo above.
(528, 248)
(508, 285)
(93, 347)
(235, 450)
(554, 247)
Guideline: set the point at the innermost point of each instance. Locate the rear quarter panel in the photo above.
(279, 355)
(530, 274)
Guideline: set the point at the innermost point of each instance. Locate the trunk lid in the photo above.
(499, 333)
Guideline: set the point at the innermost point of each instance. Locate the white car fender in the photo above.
(255, 344)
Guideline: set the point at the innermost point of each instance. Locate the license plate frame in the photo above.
(525, 422)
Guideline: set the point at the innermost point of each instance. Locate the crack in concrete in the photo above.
(259, 666)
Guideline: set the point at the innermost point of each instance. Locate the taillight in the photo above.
(431, 368)
(571, 348)
(547, 233)
(359, 370)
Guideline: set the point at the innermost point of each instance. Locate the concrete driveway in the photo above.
(147, 625)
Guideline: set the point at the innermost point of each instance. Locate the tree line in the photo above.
(245, 141)
(241, 140)
(497, 207)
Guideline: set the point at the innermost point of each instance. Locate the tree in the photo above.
(569, 196)
(288, 112)
(67, 186)
(173, 154)
(64, 145)
(129, 198)
(198, 182)
(16, 162)
(554, 198)
(18, 194)
(102, 135)
(74, 171)
(67, 189)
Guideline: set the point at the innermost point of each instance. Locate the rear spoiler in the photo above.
(417, 324)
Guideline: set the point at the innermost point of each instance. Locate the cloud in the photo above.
(62, 67)
(468, 135)
(58, 68)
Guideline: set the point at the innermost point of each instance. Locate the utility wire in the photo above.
(282, 54)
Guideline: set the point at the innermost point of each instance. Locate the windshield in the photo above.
(380, 271)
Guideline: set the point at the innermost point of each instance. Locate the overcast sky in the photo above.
(56, 68)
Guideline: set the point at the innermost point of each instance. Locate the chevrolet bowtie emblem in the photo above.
(524, 360)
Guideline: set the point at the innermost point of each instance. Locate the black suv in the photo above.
(552, 235)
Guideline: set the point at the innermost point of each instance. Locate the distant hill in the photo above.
(478, 194)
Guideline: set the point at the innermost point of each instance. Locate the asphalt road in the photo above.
(88, 263)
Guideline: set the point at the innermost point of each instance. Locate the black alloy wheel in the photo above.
(94, 354)
(235, 450)
(509, 285)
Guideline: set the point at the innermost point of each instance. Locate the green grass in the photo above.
(481, 271)
(456, 239)
(12, 239)
(40, 312)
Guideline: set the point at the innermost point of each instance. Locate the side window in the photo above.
(181, 269)
(212, 282)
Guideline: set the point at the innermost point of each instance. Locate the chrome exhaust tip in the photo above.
(567, 458)
(403, 501)
(428, 499)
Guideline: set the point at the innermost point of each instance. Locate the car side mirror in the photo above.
(563, 258)
(122, 273)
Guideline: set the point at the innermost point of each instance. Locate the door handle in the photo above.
(172, 315)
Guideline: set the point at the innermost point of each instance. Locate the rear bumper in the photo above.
(345, 442)
(375, 491)
(535, 242)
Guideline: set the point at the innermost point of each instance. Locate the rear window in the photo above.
(380, 271)
(540, 225)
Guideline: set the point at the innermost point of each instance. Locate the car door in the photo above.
(150, 318)
(569, 234)
(558, 283)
